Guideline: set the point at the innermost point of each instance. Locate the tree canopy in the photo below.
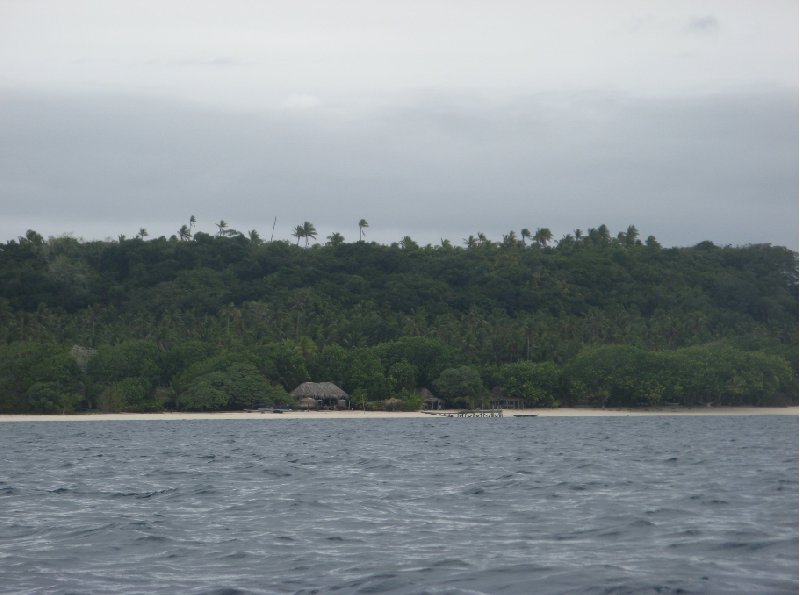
(225, 320)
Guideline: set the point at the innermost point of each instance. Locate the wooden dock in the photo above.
(468, 413)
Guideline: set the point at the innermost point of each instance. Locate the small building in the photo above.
(326, 394)
(392, 404)
(431, 402)
(502, 401)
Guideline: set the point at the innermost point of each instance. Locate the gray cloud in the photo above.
(703, 24)
(719, 167)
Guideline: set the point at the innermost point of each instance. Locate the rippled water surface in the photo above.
(512, 505)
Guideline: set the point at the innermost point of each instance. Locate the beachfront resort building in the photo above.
(320, 395)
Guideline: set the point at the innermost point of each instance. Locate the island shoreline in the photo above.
(321, 415)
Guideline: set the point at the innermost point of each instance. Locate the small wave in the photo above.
(153, 539)
(276, 473)
(451, 563)
(239, 555)
(84, 532)
(142, 495)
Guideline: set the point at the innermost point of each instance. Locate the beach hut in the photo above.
(391, 404)
(429, 401)
(499, 400)
(326, 394)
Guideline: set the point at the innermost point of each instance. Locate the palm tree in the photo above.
(524, 233)
(192, 221)
(335, 239)
(361, 225)
(254, 236)
(567, 240)
(543, 236)
(471, 242)
(184, 234)
(631, 235)
(309, 231)
(221, 225)
(298, 233)
(408, 244)
(142, 233)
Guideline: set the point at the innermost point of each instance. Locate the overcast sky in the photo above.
(429, 118)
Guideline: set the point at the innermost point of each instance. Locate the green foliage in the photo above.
(366, 376)
(40, 377)
(226, 381)
(51, 397)
(460, 384)
(129, 359)
(128, 394)
(716, 373)
(595, 317)
(538, 384)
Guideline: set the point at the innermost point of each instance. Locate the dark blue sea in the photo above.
(440, 505)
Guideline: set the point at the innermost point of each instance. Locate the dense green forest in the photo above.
(224, 321)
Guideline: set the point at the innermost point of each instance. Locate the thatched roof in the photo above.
(319, 390)
(391, 403)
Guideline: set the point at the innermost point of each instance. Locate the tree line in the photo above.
(207, 322)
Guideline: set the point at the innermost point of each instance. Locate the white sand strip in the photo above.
(564, 412)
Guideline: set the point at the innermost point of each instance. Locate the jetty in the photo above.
(468, 413)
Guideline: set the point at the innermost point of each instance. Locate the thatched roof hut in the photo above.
(325, 394)
(319, 390)
(391, 403)
(307, 403)
(429, 401)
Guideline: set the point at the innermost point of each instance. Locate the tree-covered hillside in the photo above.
(211, 322)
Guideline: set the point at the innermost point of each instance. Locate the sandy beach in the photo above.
(317, 415)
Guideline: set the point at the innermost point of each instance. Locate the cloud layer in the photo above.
(436, 165)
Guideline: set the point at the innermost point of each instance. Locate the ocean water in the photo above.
(440, 505)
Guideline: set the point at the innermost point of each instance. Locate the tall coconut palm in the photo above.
(298, 233)
(309, 231)
(543, 236)
(184, 234)
(192, 221)
(361, 225)
(254, 236)
(524, 233)
(221, 226)
(142, 233)
(509, 239)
